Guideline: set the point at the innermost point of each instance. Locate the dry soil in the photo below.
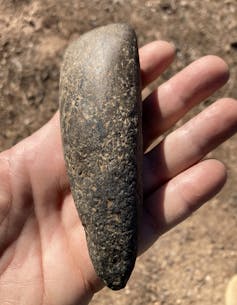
(192, 263)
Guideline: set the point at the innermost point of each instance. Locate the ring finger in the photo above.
(190, 143)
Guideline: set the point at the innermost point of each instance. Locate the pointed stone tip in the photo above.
(117, 285)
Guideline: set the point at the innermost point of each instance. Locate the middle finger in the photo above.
(165, 106)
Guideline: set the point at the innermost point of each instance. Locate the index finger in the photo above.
(155, 57)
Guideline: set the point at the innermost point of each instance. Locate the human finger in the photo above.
(190, 143)
(166, 105)
(155, 57)
(179, 198)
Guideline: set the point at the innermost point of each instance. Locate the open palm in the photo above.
(43, 253)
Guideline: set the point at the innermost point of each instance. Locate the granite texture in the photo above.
(100, 108)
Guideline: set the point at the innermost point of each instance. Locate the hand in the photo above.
(44, 257)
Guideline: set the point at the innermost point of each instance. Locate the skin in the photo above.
(44, 257)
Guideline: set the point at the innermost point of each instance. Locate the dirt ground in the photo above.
(193, 263)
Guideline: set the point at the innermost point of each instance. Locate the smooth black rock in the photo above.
(100, 106)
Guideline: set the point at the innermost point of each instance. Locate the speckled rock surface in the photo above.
(100, 106)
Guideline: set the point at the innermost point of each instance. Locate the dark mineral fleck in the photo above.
(100, 105)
